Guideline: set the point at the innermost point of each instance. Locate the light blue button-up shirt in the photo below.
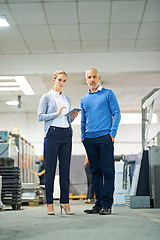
(47, 110)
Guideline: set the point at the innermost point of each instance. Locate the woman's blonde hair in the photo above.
(55, 75)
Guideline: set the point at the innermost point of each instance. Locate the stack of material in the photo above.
(29, 193)
(11, 186)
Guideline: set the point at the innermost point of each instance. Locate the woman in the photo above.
(53, 107)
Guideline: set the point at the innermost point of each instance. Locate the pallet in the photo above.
(73, 197)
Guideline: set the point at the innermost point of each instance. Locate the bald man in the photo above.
(100, 117)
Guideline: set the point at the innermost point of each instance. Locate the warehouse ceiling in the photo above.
(77, 27)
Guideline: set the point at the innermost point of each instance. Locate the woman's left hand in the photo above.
(74, 114)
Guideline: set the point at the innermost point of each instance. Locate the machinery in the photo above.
(1, 205)
(145, 185)
(17, 166)
(154, 172)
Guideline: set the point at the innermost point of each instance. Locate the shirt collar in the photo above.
(56, 93)
(98, 89)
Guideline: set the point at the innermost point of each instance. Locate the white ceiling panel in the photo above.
(21, 1)
(152, 12)
(13, 47)
(121, 45)
(150, 44)
(61, 13)
(127, 11)
(93, 0)
(68, 46)
(10, 34)
(79, 26)
(149, 30)
(94, 12)
(4, 10)
(29, 13)
(94, 46)
(64, 32)
(61, 0)
(123, 31)
(36, 33)
(94, 31)
(41, 47)
(38, 84)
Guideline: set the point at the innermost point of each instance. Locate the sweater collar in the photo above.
(98, 89)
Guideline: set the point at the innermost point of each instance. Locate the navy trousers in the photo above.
(57, 144)
(100, 153)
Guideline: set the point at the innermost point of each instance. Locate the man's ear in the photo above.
(86, 80)
(99, 78)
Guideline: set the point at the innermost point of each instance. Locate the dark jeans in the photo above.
(100, 153)
(57, 143)
(90, 188)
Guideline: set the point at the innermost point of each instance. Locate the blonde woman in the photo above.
(53, 107)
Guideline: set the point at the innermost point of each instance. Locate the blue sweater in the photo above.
(100, 114)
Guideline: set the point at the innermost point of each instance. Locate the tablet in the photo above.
(69, 114)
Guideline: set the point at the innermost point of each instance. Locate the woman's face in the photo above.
(60, 82)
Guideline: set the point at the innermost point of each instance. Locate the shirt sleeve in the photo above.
(115, 111)
(42, 110)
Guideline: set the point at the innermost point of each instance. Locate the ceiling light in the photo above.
(24, 85)
(5, 89)
(6, 78)
(9, 83)
(6, 84)
(12, 103)
(3, 22)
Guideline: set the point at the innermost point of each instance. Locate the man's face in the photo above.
(92, 78)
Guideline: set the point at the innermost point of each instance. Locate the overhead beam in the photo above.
(80, 62)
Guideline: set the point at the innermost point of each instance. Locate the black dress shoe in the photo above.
(105, 211)
(94, 210)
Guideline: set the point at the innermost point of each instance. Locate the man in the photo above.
(41, 171)
(100, 117)
(90, 188)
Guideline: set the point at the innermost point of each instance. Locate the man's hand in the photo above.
(74, 114)
(112, 138)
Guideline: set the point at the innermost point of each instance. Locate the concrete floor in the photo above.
(32, 222)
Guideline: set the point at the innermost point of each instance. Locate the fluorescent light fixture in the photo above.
(19, 81)
(12, 103)
(5, 89)
(3, 22)
(24, 85)
(8, 84)
(135, 118)
(6, 78)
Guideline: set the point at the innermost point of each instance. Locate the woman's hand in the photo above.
(60, 110)
(74, 114)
